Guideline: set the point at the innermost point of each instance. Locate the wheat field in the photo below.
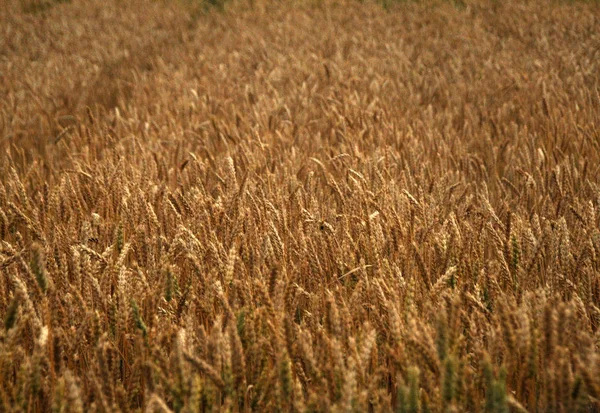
(317, 206)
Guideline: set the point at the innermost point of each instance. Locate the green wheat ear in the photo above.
(495, 394)
(139, 323)
(449, 382)
(38, 266)
(402, 399)
(119, 237)
(169, 287)
(11, 314)
(413, 390)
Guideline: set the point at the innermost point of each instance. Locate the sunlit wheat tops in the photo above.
(299, 207)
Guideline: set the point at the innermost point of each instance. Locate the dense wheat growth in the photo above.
(299, 207)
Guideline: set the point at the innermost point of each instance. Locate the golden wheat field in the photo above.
(283, 206)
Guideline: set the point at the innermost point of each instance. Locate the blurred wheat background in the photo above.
(299, 206)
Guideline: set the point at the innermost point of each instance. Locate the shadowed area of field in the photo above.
(306, 207)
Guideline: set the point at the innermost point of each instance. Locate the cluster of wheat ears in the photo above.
(299, 207)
